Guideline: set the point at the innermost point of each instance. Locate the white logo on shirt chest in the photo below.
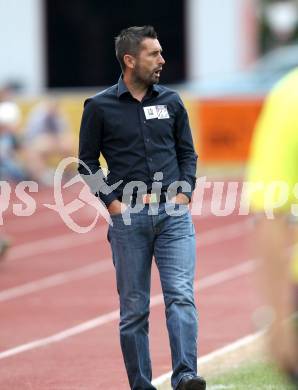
(156, 112)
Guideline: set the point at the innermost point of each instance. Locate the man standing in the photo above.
(142, 130)
(273, 167)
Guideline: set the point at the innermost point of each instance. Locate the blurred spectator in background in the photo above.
(6, 92)
(278, 24)
(274, 164)
(47, 137)
(12, 168)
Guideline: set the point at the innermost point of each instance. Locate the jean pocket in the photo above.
(121, 221)
(116, 215)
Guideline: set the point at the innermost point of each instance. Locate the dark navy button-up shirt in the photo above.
(136, 142)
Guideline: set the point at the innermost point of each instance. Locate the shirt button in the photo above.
(150, 159)
(147, 139)
(145, 121)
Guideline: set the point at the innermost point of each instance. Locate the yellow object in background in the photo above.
(274, 151)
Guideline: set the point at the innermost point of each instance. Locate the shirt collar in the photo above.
(122, 88)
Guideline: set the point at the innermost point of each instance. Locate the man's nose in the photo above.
(161, 60)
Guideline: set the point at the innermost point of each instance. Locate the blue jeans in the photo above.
(171, 240)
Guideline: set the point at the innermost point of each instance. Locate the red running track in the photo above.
(54, 280)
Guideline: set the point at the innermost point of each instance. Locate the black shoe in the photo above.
(192, 383)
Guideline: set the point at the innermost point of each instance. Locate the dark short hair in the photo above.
(129, 41)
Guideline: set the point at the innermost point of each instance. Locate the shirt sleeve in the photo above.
(90, 143)
(186, 155)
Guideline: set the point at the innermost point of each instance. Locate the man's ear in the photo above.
(129, 61)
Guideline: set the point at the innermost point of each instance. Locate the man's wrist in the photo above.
(114, 207)
(188, 194)
(181, 198)
(184, 196)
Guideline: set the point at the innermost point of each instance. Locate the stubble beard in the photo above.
(147, 81)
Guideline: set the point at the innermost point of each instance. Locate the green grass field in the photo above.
(258, 376)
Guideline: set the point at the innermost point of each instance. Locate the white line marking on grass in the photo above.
(225, 275)
(223, 233)
(56, 280)
(71, 240)
(203, 239)
(215, 354)
(81, 328)
(156, 300)
(18, 225)
(231, 347)
(53, 244)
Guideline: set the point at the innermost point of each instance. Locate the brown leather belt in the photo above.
(148, 198)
